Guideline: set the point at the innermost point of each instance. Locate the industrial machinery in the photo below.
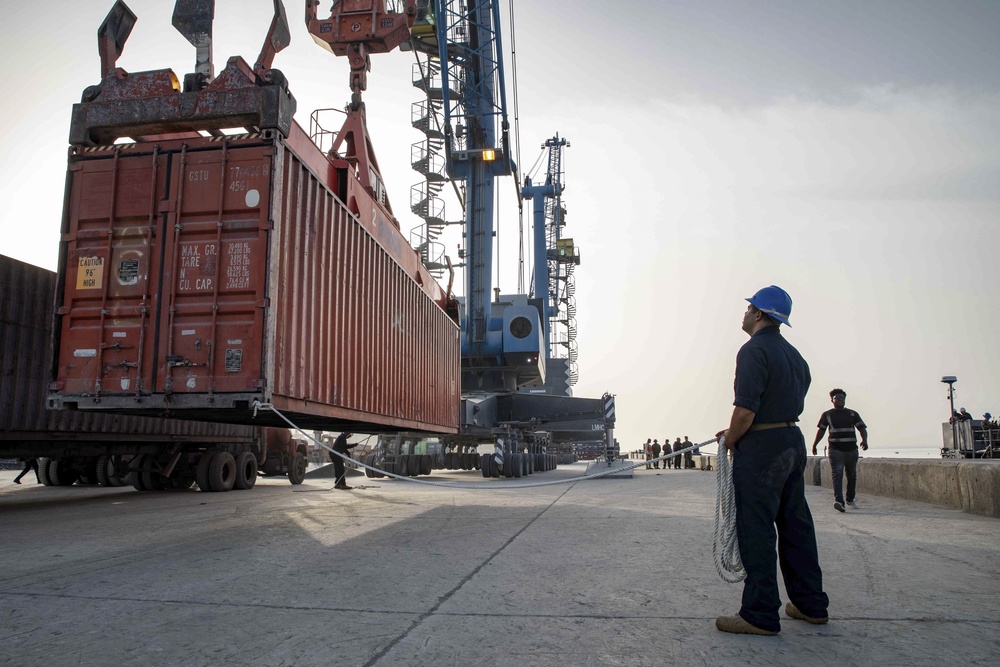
(215, 256)
(506, 340)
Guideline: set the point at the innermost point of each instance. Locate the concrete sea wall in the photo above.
(971, 486)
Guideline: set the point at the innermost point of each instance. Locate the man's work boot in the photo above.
(793, 612)
(853, 505)
(839, 506)
(738, 625)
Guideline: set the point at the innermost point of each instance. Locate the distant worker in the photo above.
(678, 446)
(688, 455)
(843, 451)
(963, 415)
(29, 464)
(769, 460)
(648, 449)
(339, 471)
(656, 455)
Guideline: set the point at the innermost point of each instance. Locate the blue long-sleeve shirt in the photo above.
(772, 378)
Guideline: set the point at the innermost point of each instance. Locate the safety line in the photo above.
(465, 485)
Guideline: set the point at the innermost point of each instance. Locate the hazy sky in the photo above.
(847, 151)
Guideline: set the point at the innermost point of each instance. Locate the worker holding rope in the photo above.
(769, 456)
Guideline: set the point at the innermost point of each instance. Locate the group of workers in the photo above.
(987, 422)
(653, 450)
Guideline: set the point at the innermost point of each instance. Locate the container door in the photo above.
(110, 245)
(211, 334)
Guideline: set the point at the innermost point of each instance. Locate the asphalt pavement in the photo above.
(600, 572)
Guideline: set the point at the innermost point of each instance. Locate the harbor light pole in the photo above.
(950, 380)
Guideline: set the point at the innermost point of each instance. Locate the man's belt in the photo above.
(766, 426)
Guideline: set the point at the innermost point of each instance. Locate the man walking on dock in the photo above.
(843, 447)
(769, 459)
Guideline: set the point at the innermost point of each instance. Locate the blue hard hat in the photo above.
(774, 301)
(988, 416)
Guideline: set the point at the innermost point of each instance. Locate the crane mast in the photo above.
(505, 339)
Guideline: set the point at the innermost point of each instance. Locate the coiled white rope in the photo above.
(492, 486)
(726, 547)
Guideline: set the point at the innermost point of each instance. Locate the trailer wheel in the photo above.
(117, 470)
(43, 471)
(246, 471)
(88, 475)
(201, 473)
(370, 461)
(135, 476)
(152, 479)
(426, 464)
(62, 473)
(103, 476)
(297, 471)
(222, 472)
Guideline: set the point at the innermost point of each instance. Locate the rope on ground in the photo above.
(726, 548)
(489, 486)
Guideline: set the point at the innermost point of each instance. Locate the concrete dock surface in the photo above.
(602, 572)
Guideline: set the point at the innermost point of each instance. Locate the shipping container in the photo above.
(201, 275)
(107, 448)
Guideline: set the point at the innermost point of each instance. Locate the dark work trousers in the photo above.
(677, 461)
(840, 462)
(768, 473)
(338, 468)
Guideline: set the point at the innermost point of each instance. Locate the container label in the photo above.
(85, 353)
(128, 272)
(234, 361)
(197, 266)
(238, 272)
(91, 273)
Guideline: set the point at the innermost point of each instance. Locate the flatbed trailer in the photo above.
(150, 453)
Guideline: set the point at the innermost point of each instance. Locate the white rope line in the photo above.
(465, 485)
(726, 547)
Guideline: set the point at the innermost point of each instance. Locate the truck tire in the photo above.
(103, 476)
(88, 474)
(201, 472)
(153, 480)
(246, 471)
(62, 473)
(135, 476)
(222, 472)
(297, 470)
(43, 471)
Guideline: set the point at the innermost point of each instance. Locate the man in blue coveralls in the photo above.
(769, 457)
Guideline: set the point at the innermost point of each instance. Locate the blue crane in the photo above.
(505, 338)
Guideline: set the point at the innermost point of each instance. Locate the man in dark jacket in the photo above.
(769, 459)
(678, 446)
(341, 445)
(656, 455)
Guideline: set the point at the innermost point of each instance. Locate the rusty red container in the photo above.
(27, 426)
(200, 276)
